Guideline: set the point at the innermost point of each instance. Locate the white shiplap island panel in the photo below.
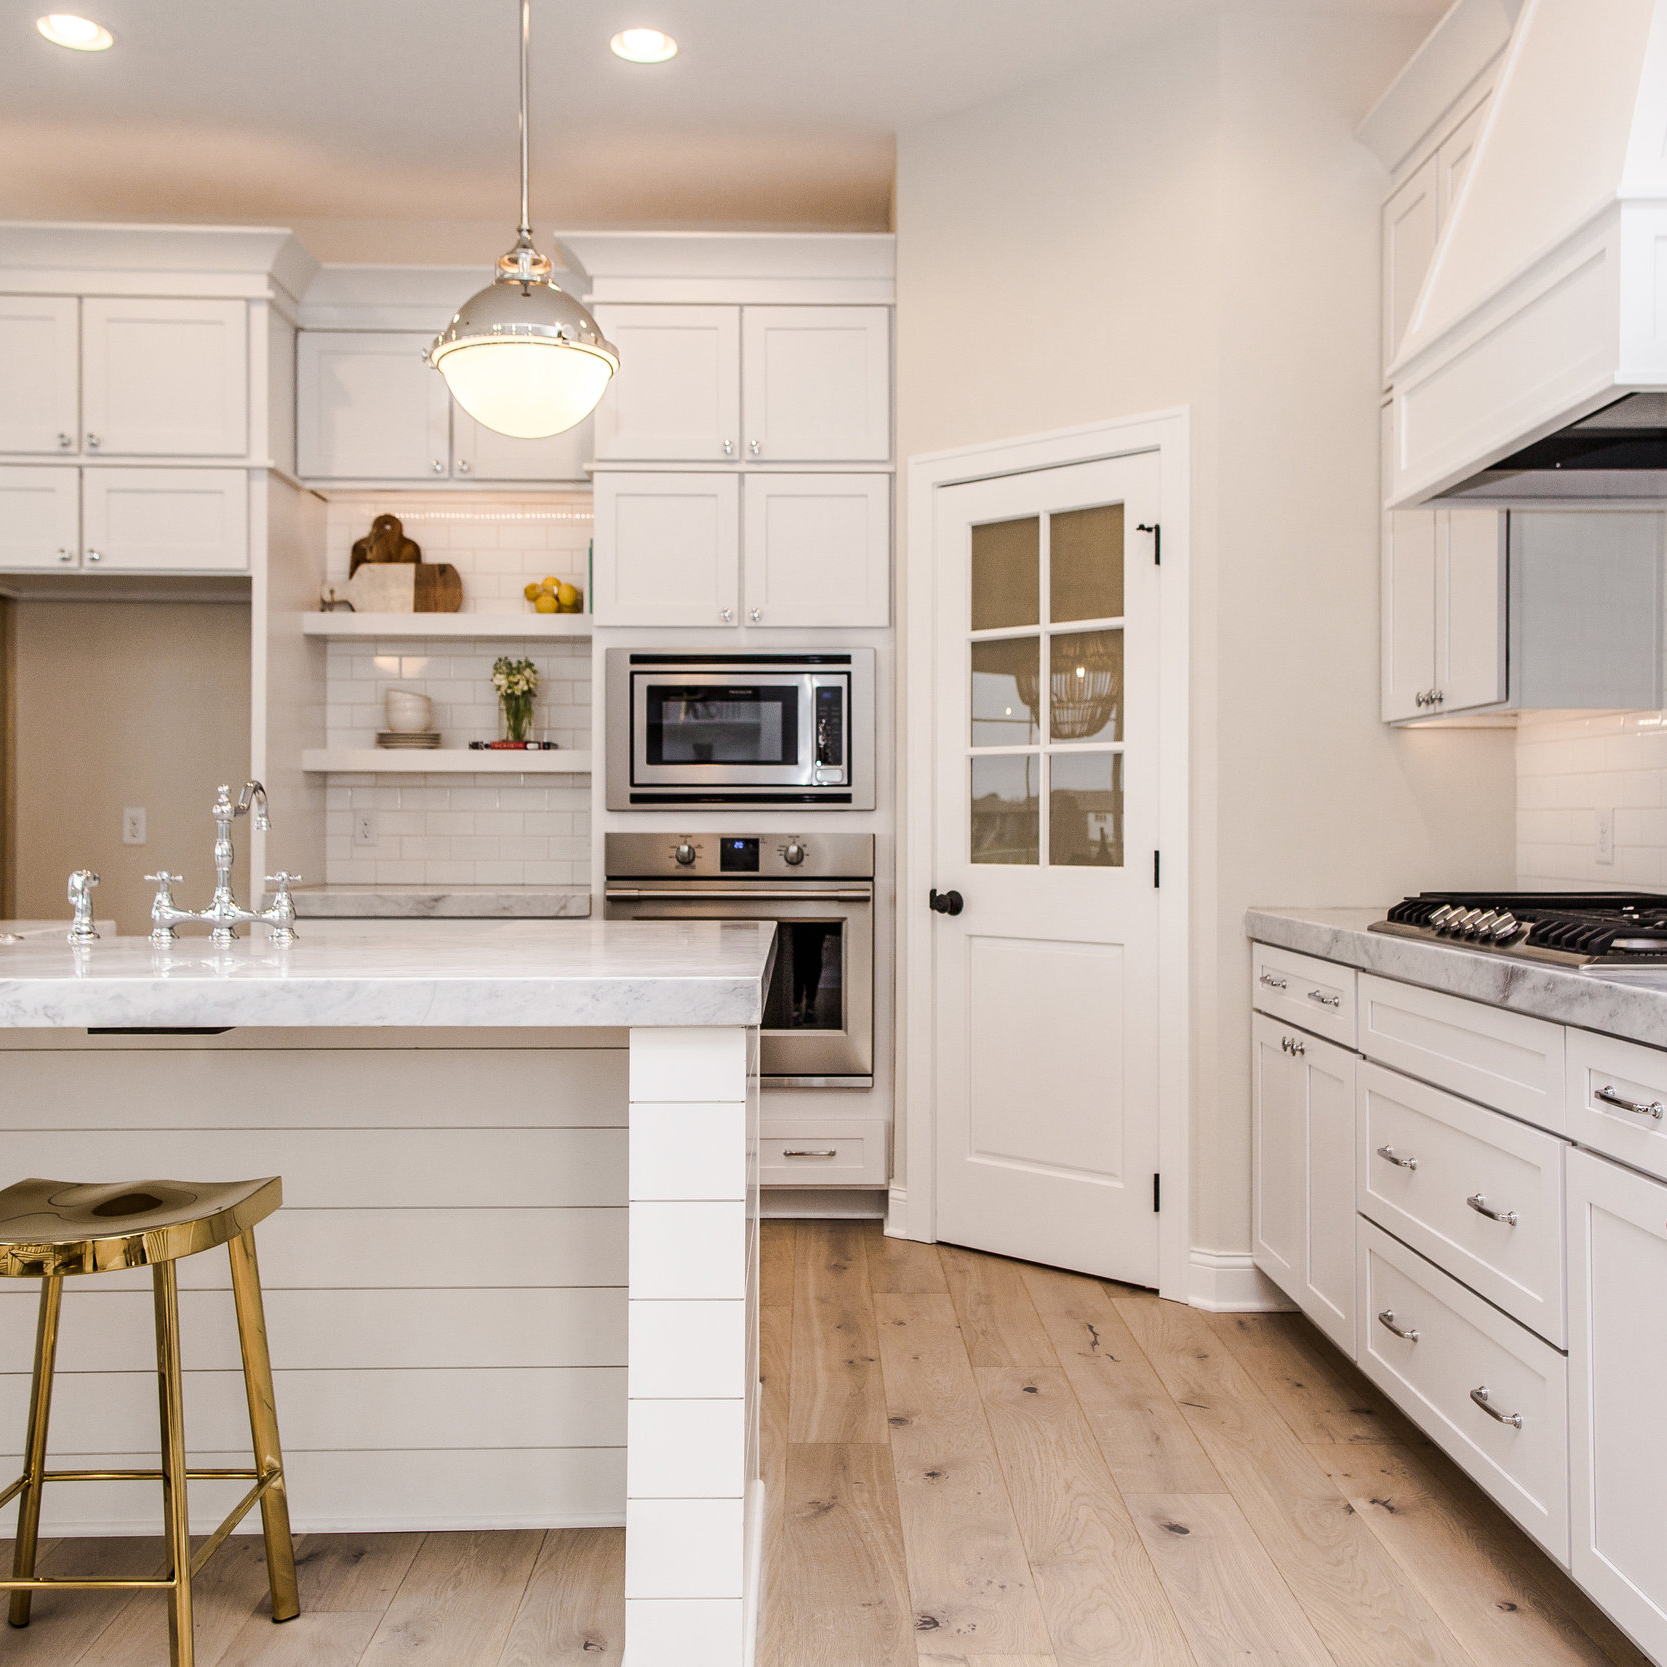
(514, 1279)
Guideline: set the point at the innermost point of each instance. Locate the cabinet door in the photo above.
(1409, 612)
(40, 517)
(369, 406)
(165, 520)
(1617, 1363)
(1327, 1294)
(1411, 226)
(165, 378)
(1470, 609)
(667, 549)
(1453, 160)
(816, 384)
(677, 397)
(1278, 1165)
(481, 453)
(818, 550)
(40, 374)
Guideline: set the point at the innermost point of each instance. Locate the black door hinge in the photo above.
(1156, 530)
(1157, 868)
(1157, 1193)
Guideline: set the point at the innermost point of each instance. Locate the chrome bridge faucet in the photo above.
(224, 914)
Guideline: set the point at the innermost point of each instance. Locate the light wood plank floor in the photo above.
(970, 1463)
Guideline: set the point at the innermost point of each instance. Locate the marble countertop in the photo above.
(1632, 1004)
(487, 973)
(442, 902)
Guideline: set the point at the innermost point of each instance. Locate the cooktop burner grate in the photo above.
(1626, 927)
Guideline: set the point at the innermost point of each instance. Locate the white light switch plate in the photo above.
(1606, 836)
(133, 826)
(364, 828)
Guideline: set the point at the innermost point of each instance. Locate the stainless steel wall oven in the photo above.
(740, 729)
(818, 1029)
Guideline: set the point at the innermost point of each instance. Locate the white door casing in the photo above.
(1046, 1035)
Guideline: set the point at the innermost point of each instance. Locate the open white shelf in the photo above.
(445, 625)
(417, 761)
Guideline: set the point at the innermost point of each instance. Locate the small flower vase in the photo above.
(518, 716)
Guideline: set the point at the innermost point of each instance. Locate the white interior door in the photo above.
(1046, 823)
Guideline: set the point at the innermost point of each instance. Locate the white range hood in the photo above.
(1546, 303)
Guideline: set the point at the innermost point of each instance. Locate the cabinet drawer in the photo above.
(1602, 1070)
(1429, 1164)
(1464, 1347)
(1505, 1060)
(823, 1152)
(1302, 990)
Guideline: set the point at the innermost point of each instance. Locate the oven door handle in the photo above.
(759, 894)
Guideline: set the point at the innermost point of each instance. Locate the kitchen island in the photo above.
(514, 1281)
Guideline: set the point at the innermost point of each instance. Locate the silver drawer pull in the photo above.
(1292, 1046)
(1480, 1396)
(1271, 982)
(1611, 1098)
(810, 1151)
(1324, 1000)
(1387, 1320)
(1481, 1206)
(1390, 1155)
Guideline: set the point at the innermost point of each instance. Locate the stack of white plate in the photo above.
(408, 738)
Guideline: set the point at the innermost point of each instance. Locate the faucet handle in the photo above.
(281, 915)
(81, 884)
(163, 878)
(283, 880)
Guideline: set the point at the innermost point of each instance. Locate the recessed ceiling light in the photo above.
(643, 46)
(79, 34)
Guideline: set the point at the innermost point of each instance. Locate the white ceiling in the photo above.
(774, 113)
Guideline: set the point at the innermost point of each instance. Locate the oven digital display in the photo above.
(738, 856)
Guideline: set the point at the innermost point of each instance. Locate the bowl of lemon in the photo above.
(555, 596)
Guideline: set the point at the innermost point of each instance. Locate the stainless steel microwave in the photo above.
(740, 729)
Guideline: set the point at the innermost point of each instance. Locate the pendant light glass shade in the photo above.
(522, 357)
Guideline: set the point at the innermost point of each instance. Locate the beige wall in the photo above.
(1190, 223)
(119, 704)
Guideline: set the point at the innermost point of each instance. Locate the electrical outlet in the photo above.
(133, 826)
(364, 828)
(1606, 836)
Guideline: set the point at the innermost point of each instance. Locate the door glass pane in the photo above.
(1085, 810)
(1086, 687)
(1006, 692)
(1085, 564)
(1006, 808)
(1007, 574)
(807, 988)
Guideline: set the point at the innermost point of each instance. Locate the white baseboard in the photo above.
(1229, 1282)
(821, 1203)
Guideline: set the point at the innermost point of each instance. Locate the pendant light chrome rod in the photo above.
(526, 30)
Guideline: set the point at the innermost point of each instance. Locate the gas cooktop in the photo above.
(1592, 929)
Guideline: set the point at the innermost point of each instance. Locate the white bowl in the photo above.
(408, 712)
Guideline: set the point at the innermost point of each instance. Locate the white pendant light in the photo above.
(523, 357)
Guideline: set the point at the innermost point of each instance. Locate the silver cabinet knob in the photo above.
(66, 555)
(65, 441)
(93, 555)
(726, 614)
(439, 467)
(756, 615)
(462, 466)
(729, 448)
(92, 442)
(753, 447)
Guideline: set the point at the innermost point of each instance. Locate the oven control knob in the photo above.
(792, 853)
(685, 854)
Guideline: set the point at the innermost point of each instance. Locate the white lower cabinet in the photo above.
(1617, 1364)
(1303, 1205)
(1492, 1394)
(40, 518)
(165, 520)
(823, 1152)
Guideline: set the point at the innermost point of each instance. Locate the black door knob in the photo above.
(946, 902)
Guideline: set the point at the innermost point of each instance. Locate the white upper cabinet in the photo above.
(40, 373)
(481, 453)
(1411, 225)
(667, 549)
(816, 384)
(1409, 627)
(164, 378)
(677, 397)
(165, 520)
(1470, 609)
(817, 550)
(40, 517)
(370, 407)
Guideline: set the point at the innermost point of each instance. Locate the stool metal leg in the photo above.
(40, 1410)
(263, 1426)
(176, 1508)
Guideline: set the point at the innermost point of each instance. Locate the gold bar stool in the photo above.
(53, 1230)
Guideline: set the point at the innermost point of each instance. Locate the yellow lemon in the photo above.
(551, 584)
(531, 593)
(546, 603)
(567, 595)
